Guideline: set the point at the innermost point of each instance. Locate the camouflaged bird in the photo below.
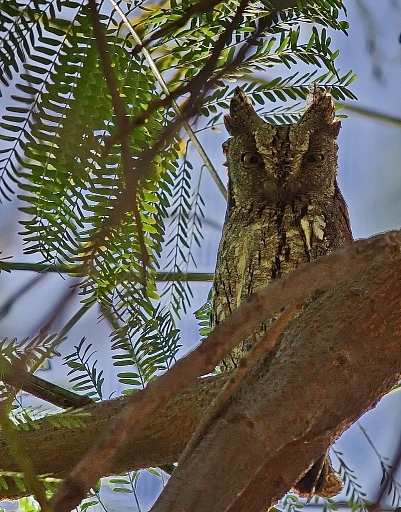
(284, 208)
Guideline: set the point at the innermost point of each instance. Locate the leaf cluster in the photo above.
(64, 152)
(58, 127)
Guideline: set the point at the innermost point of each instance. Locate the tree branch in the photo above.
(349, 336)
(371, 113)
(56, 447)
(61, 268)
(19, 378)
(131, 177)
(332, 365)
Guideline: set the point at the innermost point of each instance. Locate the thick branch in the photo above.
(332, 365)
(56, 450)
(349, 337)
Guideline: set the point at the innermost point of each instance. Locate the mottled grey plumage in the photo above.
(284, 208)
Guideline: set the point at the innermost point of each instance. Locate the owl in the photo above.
(284, 208)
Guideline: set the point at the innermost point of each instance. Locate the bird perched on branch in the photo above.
(284, 208)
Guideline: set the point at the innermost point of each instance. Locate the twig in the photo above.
(389, 471)
(253, 40)
(57, 309)
(77, 270)
(9, 303)
(131, 176)
(19, 378)
(209, 68)
(191, 134)
(370, 113)
(203, 6)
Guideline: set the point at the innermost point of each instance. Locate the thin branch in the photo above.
(209, 68)
(254, 39)
(57, 309)
(19, 378)
(388, 479)
(193, 138)
(131, 177)
(203, 6)
(61, 268)
(371, 114)
(5, 308)
(75, 270)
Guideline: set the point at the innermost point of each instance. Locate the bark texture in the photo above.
(332, 364)
(358, 358)
(56, 449)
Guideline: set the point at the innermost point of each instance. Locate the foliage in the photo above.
(356, 497)
(203, 316)
(88, 378)
(114, 194)
(62, 146)
(150, 348)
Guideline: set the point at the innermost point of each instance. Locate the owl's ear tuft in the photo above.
(240, 97)
(241, 108)
(243, 120)
(230, 124)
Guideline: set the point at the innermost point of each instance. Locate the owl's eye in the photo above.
(315, 157)
(251, 158)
